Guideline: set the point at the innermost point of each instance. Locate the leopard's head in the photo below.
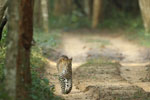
(65, 60)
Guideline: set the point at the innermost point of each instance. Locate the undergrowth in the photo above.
(139, 36)
(40, 89)
(51, 39)
(75, 21)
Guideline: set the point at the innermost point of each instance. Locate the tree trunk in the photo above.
(12, 51)
(20, 29)
(96, 12)
(62, 7)
(24, 45)
(44, 7)
(145, 10)
(37, 14)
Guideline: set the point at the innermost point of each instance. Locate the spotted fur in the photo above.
(64, 67)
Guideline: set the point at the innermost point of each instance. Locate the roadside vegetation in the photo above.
(41, 87)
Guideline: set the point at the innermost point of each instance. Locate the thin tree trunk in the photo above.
(38, 23)
(96, 12)
(12, 51)
(44, 7)
(24, 45)
(145, 10)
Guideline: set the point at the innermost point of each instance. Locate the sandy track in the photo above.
(77, 46)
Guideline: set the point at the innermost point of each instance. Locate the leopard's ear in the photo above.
(70, 59)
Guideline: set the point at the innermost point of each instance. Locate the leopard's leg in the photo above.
(62, 84)
(68, 85)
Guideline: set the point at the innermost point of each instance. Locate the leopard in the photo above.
(64, 68)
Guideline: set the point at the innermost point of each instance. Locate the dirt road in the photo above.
(128, 76)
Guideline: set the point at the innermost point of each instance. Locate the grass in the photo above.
(102, 42)
(93, 69)
(139, 95)
(140, 37)
(51, 39)
(100, 62)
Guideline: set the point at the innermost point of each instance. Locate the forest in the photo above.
(104, 46)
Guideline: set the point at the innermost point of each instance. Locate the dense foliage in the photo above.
(114, 14)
